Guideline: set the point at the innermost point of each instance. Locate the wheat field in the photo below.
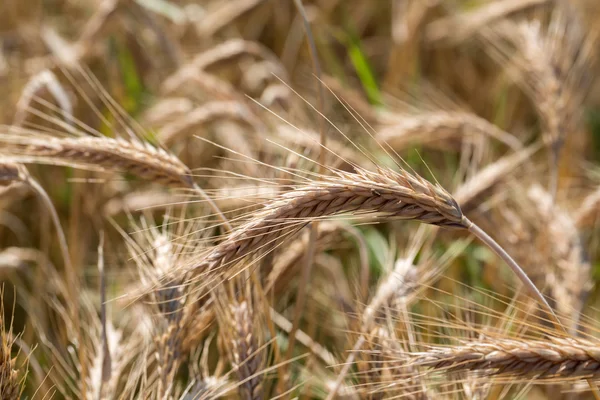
(299, 199)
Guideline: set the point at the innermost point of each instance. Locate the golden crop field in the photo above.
(299, 199)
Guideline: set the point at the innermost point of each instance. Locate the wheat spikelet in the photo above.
(552, 359)
(585, 215)
(209, 387)
(371, 367)
(44, 79)
(224, 15)
(292, 254)
(402, 380)
(166, 110)
(156, 253)
(275, 94)
(141, 200)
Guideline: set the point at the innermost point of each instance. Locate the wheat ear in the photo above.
(384, 193)
(556, 358)
(102, 153)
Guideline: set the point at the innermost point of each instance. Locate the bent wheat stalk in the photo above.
(384, 194)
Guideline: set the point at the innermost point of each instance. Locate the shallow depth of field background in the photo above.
(445, 88)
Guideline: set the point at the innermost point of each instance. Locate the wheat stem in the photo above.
(500, 252)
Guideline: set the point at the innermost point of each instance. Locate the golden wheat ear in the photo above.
(385, 194)
(556, 358)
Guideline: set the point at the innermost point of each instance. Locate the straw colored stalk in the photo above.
(435, 127)
(553, 359)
